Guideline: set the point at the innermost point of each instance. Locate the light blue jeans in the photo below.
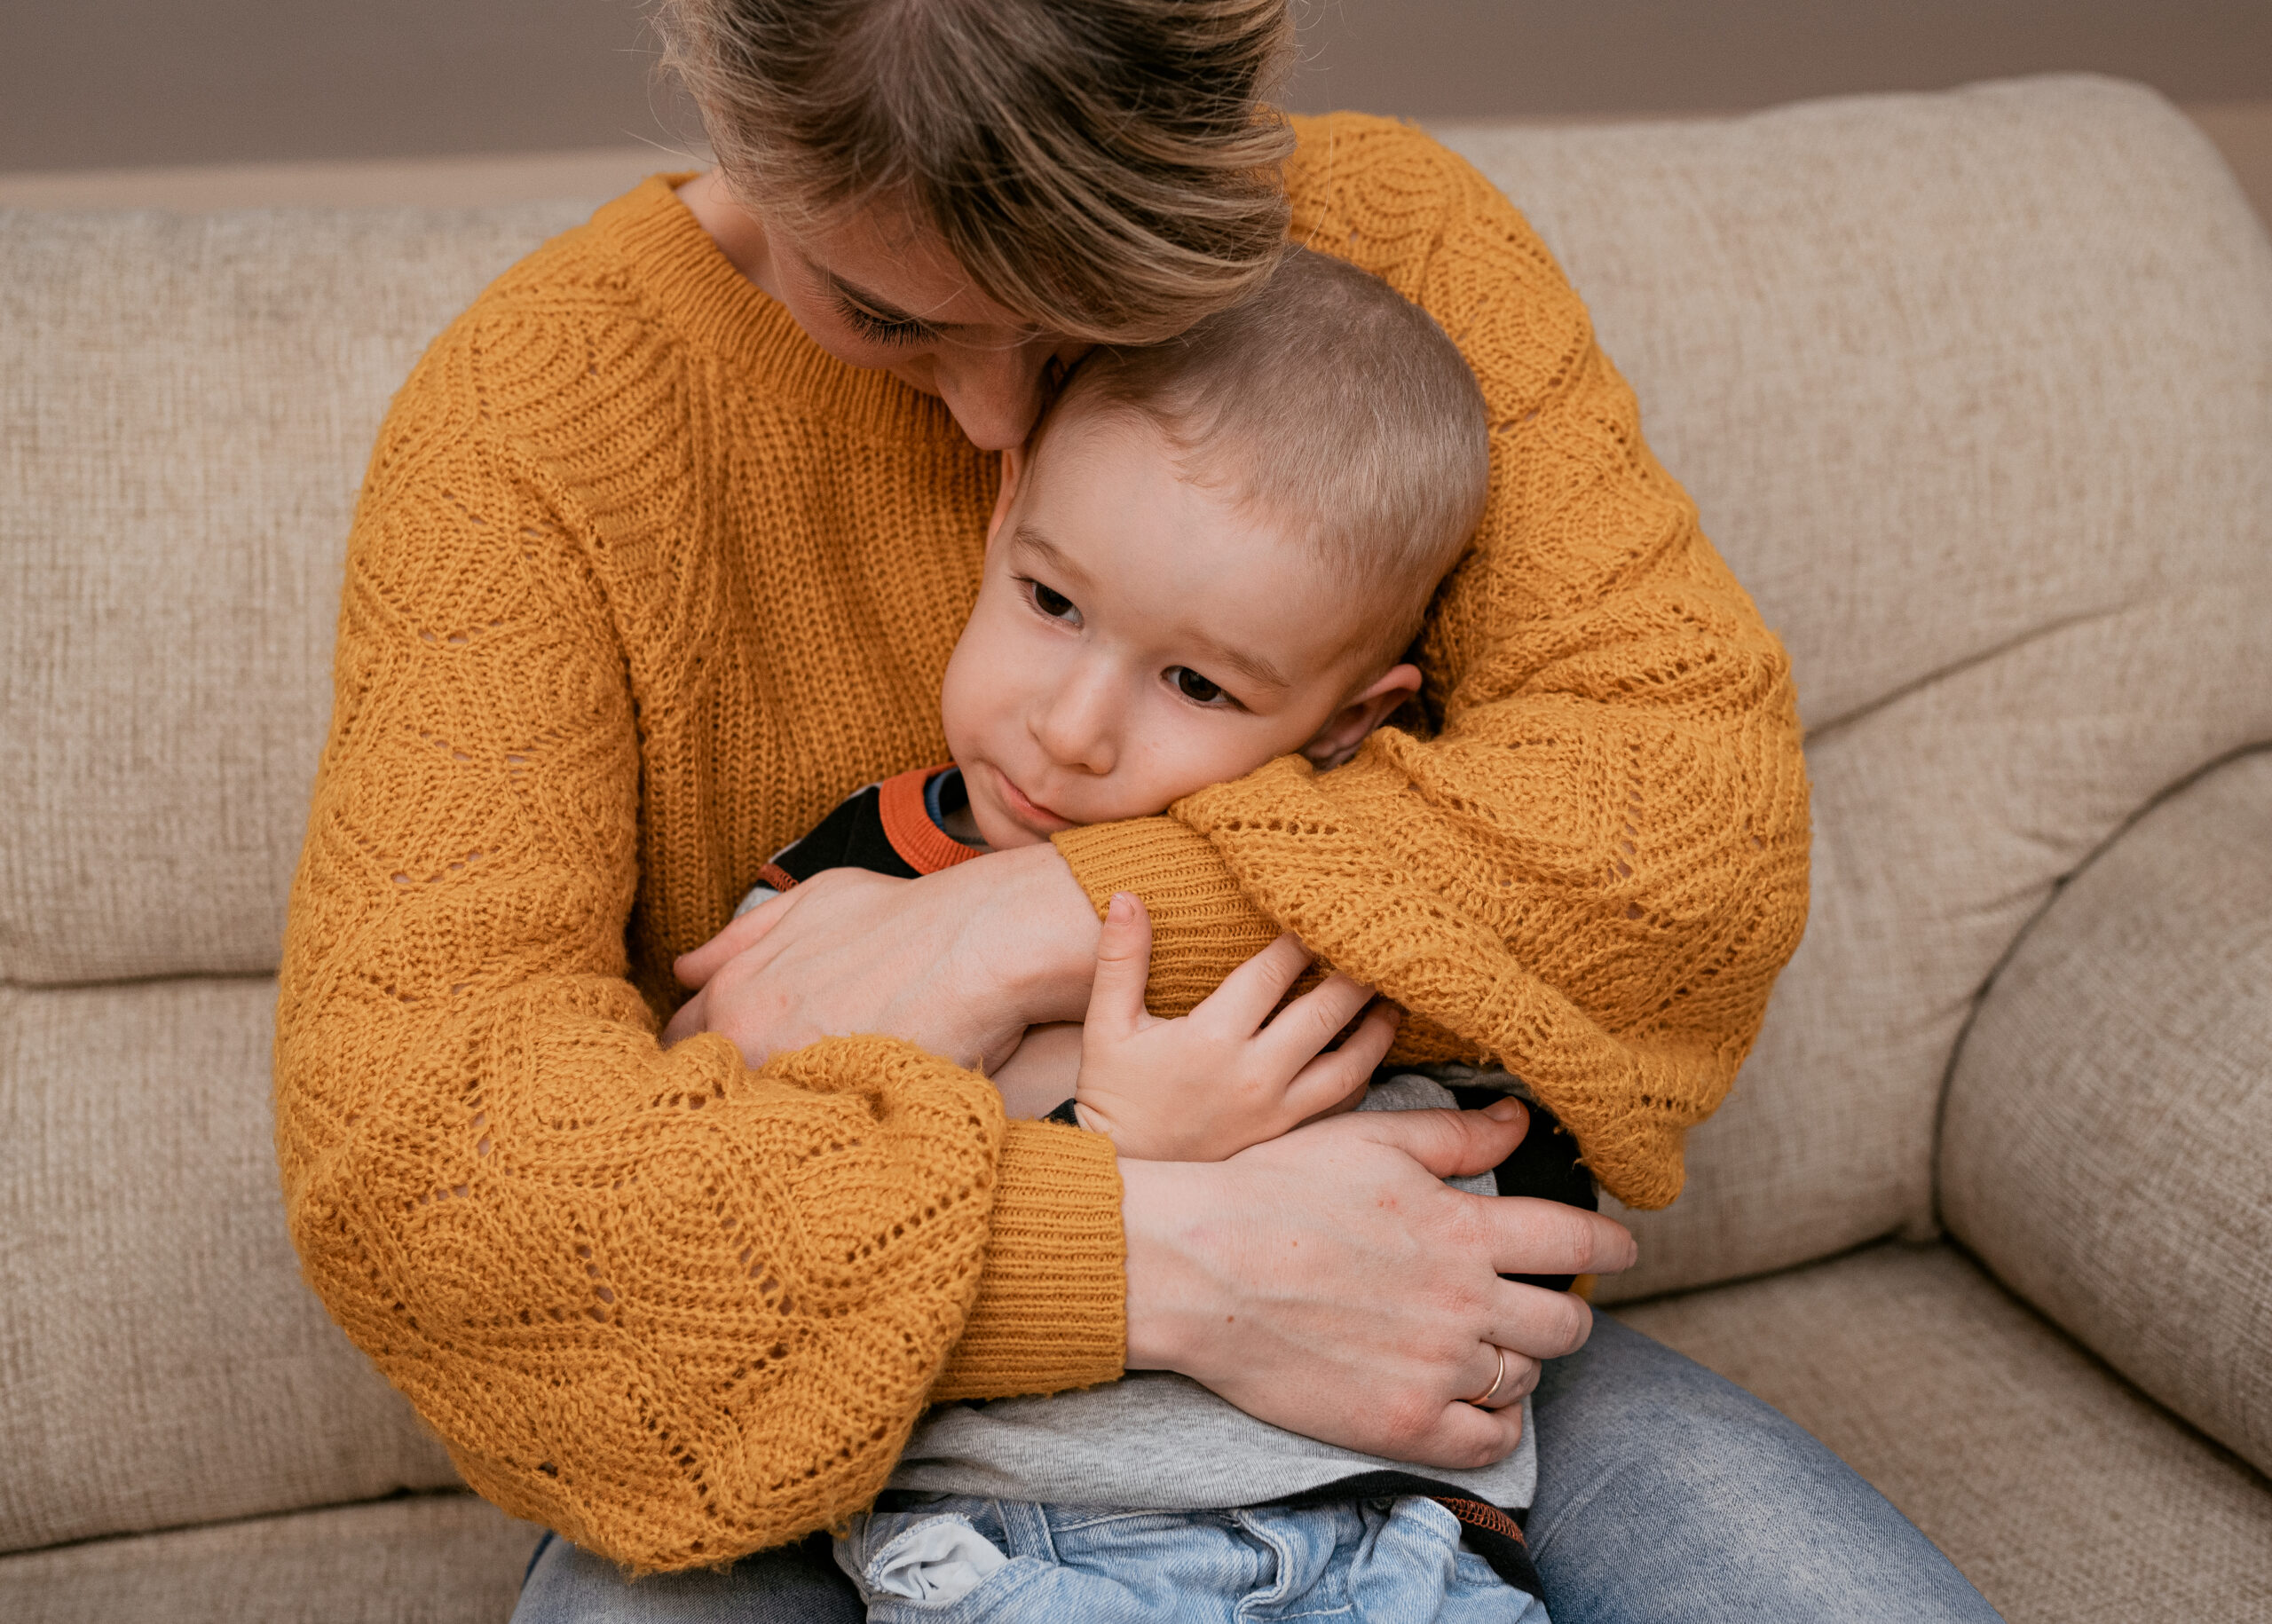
(1369, 1562)
(1666, 1495)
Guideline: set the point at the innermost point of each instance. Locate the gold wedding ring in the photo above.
(1501, 1377)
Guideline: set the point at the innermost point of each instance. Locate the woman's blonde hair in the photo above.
(1106, 169)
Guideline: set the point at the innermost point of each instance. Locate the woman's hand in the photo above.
(960, 962)
(1331, 1283)
(1210, 1083)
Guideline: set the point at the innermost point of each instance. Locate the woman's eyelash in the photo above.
(875, 329)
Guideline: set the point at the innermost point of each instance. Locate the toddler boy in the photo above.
(1212, 553)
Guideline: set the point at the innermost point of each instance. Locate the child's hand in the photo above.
(1208, 1086)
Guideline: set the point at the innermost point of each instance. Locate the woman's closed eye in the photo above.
(1051, 603)
(878, 329)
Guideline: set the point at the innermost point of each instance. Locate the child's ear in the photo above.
(1014, 466)
(1343, 730)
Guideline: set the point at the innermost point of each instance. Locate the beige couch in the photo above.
(1975, 392)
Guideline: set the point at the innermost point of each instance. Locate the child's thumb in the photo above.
(1123, 965)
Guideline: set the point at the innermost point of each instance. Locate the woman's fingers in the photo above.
(1123, 965)
(690, 1018)
(695, 969)
(1466, 1436)
(1251, 991)
(1546, 1237)
(1499, 1377)
(1534, 1323)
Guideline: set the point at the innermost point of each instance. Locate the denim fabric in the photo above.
(792, 1584)
(1666, 1495)
(1373, 1561)
(1670, 1494)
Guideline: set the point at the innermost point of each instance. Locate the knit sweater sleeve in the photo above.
(672, 1308)
(1589, 861)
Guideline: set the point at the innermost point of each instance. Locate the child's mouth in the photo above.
(1026, 810)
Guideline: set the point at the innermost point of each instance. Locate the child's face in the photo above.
(1136, 638)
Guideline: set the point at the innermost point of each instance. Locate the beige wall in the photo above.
(186, 85)
(125, 83)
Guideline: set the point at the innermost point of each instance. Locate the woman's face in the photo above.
(877, 291)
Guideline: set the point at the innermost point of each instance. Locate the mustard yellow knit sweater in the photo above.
(640, 584)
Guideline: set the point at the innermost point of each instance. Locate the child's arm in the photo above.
(1206, 1085)
(1042, 1072)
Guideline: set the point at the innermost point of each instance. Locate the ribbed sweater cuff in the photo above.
(1203, 927)
(1052, 1304)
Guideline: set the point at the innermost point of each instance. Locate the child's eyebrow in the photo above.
(1251, 665)
(1033, 542)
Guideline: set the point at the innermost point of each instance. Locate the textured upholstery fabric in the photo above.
(160, 1361)
(1972, 391)
(185, 414)
(2108, 1143)
(426, 1559)
(2063, 1494)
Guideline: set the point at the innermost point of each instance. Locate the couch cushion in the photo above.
(1974, 391)
(2053, 1484)
(424, 1559)
(2108, 1143)
(160, 1361)
(185, 415)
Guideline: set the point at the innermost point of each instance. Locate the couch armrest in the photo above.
(2106, 1148)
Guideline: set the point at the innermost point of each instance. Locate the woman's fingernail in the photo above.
(1503, 1110)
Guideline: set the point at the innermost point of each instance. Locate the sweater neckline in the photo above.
(683, 273)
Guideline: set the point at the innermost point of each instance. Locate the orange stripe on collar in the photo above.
(908, 825)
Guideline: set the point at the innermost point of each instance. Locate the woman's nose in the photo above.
(996, 392)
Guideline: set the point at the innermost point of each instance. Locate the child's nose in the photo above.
(1077, 724)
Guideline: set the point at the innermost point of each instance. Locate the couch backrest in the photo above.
(186, 407)
(1975, 391)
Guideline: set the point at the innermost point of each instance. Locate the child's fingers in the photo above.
(1305, 1026)
(1123, 965)
(1340, 1074)
(1251, 991)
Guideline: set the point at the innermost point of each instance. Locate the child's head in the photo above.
(1215, 551)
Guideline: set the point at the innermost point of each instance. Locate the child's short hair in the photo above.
(1333, 405)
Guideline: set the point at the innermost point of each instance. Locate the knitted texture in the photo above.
(640, 584)
(1588, 860)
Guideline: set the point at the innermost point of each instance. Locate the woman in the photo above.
(662, 550)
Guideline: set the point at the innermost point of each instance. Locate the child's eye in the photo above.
(1053, 603)
(1194, 687)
